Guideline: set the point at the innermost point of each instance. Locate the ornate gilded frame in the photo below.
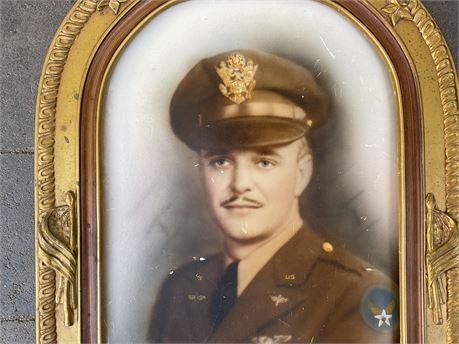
(66, 164)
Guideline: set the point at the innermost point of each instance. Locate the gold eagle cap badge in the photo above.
(237, 74)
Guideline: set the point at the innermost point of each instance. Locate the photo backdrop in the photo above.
(153, 215)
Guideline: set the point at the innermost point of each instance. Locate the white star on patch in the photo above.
(383, 318)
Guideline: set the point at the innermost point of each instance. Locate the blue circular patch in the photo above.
(380, 309)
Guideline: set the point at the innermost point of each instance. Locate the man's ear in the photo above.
(304, 173)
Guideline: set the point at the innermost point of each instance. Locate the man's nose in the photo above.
(241, 180)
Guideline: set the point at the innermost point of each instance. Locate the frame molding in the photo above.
(66, 178)
(45, 197)
(413, 12)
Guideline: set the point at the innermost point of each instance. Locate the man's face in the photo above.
(253, 193)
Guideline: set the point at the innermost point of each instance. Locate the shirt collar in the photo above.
(252, 264)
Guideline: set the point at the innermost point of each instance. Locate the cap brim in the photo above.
(248, 132)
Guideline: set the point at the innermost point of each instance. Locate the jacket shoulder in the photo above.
(345, 261)
(194, 270)
(364, 298)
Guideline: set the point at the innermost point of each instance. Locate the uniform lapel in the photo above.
(277, 288)
(201, 282)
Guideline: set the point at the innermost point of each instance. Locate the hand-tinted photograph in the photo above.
(251, 179)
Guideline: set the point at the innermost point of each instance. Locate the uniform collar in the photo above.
(295, 260)
(273, 287)
(254, 262)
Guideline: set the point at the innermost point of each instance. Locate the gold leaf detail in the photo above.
(405, 14)
(390, 9)
(400, 9)
(114, 5)
(102, 4)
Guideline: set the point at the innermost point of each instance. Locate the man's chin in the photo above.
(243, 235)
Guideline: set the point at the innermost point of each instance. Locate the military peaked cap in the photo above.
(244, 99)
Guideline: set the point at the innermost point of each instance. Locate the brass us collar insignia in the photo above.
(379, 309)
(237, 74)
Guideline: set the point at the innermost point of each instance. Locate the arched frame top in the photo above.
(67, 158)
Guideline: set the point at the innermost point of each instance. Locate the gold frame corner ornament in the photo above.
(57, 242)
(57, 260)
(442, 265)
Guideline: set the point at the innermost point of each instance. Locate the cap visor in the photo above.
(250, 132)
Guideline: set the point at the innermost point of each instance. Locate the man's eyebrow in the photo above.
(211, 153)
(267, 151)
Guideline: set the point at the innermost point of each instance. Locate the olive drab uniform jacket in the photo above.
(308, 292)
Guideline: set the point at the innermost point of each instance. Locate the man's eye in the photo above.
(219, 162)
(264, 163)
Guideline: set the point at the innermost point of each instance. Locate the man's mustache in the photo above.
(237, 199)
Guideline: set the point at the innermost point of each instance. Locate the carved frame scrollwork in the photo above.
(442, 262)
(57, 244)
(45, 176)
(58, 193)
(442, 246)
(56, 231)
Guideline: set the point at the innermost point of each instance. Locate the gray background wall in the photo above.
(26, 29)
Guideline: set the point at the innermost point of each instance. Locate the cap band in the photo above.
(263, 109)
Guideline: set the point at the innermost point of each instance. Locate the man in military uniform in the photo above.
(248, 114)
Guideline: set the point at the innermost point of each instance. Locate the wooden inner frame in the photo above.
(412, 128)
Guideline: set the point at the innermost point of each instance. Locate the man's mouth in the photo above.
(241, 203)
(241, 206)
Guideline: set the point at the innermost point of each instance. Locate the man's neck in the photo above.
(239, 251)
(252, 263)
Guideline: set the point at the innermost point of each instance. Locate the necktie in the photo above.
(225, 295)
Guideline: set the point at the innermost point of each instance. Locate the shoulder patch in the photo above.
(380, 309)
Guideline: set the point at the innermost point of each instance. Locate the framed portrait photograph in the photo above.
(247, 171)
